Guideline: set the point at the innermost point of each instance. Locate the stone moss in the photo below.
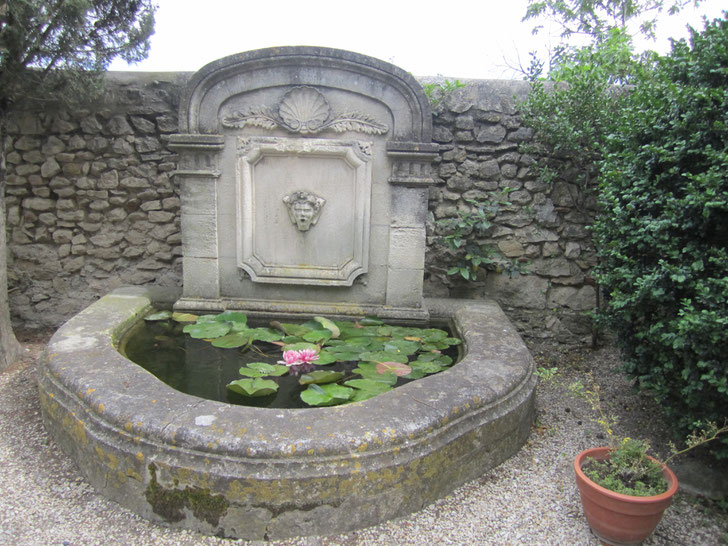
(169, 503)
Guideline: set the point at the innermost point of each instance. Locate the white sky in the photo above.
(456, 39)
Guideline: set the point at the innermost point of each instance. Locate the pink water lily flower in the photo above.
(304, 356)
(308, 355)
(290, 358)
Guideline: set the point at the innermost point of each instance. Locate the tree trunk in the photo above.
(10, 349)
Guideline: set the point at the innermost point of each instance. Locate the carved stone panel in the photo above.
(303, 209)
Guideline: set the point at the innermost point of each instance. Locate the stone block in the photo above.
(27, 143)
(576, 299)
(492, 134)
(409, 207)
(525, 291)
(118, 126)
(160, 217)
(406, 248)
(200, 277)
(50, 168)
(39, 204)
(199, 236)
(404, 287)
(511, 248)
(197, 196)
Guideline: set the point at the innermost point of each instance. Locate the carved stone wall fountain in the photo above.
(304, 176)
(272, 138)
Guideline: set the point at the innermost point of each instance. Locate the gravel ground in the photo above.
(529, 499)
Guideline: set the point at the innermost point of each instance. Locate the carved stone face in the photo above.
(303, 212)
(304, 208)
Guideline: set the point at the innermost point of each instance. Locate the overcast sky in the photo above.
(456, 39)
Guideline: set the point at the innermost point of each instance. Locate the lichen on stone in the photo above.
(169, 503)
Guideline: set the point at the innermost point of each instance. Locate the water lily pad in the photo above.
(419, 367)
(253, 387)
(433, 335)
(369, 385)
(301, 346)
(207, 330)
(368, 370)
(416, 373)
(232, 316)
(326, 395)
(329, 325)
(318, 336)
(250, 372)
(324, 358)
(397, 368)
(232, 341)
(384, 356)
(400, 346)
(320, 377)
(370, 321)
(266, 334)
(184, 317)
(268, 369)
(161, 315)
(360, 396)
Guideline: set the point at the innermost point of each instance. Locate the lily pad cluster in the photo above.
(380, 354)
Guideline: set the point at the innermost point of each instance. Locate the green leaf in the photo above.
(265, 334)
(232, 316)
(376, 387)
(370, 321)
(269, 369)
(326, 395)
(329, 325)
(232, 341)
(397, 368)
(300, 346)
(368, 370)
(184, 317)
(320, 377)
(324, 358)
(400, 346)
(318, 336)
(294, 329)
(255, 387)
(251, 372)
(207, 330)
(384, 356)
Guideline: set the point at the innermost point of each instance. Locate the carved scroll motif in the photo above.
(304, 110)
(304, 208)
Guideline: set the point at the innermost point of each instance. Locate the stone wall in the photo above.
(544, 227)
(91, 205)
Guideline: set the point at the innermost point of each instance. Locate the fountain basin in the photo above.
(258, 473)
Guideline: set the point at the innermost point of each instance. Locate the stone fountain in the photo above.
(304, 176)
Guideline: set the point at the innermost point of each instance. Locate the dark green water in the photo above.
(195, 367)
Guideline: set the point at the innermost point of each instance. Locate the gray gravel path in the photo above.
(530, 499)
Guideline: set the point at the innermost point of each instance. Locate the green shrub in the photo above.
(662, 237)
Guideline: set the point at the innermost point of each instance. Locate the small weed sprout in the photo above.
(546, 374)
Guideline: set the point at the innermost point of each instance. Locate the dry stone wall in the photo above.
(544, 227)
(92, 205)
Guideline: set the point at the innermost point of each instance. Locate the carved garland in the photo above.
(304, 110)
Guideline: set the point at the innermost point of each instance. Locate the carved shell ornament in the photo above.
(304, 110)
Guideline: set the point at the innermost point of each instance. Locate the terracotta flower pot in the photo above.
(616, 518)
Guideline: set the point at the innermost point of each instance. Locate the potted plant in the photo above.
(624, 491)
